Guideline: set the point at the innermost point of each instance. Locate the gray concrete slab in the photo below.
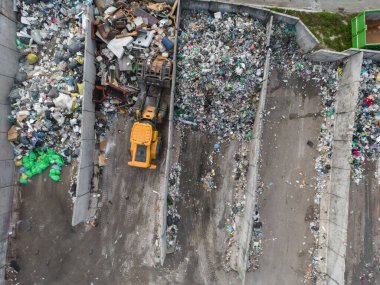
(8, 33)
(6, 84)
(347, 102)
(305, 39)
(6, 8)
(341, 162)
(87, 129)
(4, 111)
(323, 55)
(87, 104)
(5, 218)
(285, 18)
(87, 150)
(8, 68)
(80, 212)
(343, 126)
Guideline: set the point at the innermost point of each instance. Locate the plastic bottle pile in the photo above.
(219, 73)
(366, 139)
(46, 98)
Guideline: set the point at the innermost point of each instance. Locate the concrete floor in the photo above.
(363, 239)
(118, 251)
(286, 158)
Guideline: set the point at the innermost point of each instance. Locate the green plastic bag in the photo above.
(29, 174)
(55, 178)
(55, 172)
(23, 181)
(32, 155)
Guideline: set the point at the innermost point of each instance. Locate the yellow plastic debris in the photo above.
(80, 59)
(32, 58)
(80, 88)
(18, 162)
(378, 77)
(340, 71)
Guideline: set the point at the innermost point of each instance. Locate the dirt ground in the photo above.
(289, 181)
(363, 238)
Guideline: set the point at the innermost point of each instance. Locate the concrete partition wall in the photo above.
(165, 187)
(9, 65)
(81, 211)
(334, 203)
(246, 228)
(324, 55)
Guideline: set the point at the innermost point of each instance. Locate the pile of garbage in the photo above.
(173, 216)
(366, 139)
(133, 39)
(37, 161)
(219, 73)
(47, 96)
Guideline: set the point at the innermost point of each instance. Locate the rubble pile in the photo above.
(219, 73)
(173, 198)
(366, 139)
(132, 38)
(47, 96)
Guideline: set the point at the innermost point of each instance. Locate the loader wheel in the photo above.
(159, 147)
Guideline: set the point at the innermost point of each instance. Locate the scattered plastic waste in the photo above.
(366, 138)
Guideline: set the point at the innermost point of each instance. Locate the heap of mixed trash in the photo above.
(47, 96)
(128, 37)
(219, 73)
(366, 139)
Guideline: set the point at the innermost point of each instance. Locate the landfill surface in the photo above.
(46, 99)
(218, 88)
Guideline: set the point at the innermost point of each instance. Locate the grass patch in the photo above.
(332, 30)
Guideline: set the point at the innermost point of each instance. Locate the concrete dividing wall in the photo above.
(86, 158)
(367, 54)
(305, 39)
(324, 55)
(9, 66)
(165, 187)
(334, 204)
(253, 173)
